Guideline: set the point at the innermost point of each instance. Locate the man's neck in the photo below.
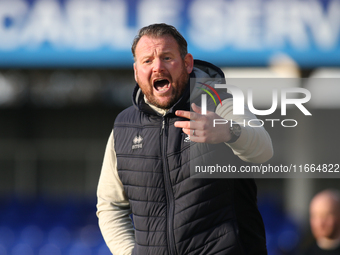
(157, 109)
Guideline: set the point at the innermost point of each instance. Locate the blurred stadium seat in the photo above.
(47, 227)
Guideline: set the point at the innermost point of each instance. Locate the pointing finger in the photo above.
(182, 124)
(187, 114)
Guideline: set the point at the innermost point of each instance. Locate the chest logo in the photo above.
(187, 139)
(137, 142)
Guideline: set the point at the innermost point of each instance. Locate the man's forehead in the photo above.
(323, 203)
(149, 43)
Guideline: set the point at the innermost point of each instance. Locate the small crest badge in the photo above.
(137, 142)
(187, 139)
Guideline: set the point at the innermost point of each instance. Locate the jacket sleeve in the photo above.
(254, 145)
(113, 208)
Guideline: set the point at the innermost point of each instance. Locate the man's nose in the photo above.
(158, 65)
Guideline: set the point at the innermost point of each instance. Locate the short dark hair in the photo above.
(161, 29)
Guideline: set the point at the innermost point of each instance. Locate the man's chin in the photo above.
(163, 103)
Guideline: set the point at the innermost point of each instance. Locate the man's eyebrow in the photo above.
(146, 57)
(168, 52)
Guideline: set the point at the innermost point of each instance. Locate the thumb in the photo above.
(196, 108)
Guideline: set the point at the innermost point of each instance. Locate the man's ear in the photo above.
(189, 62)
(135, 71)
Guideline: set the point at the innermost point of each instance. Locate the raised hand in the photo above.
(201, 128)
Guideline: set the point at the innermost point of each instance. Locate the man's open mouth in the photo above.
(161, 85)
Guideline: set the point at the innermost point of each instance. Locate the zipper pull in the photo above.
(163, 123)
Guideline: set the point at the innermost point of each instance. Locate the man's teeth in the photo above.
(163, 88)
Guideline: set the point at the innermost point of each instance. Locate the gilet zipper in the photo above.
(168, 190)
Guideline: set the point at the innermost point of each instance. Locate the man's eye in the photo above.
(167, 58)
